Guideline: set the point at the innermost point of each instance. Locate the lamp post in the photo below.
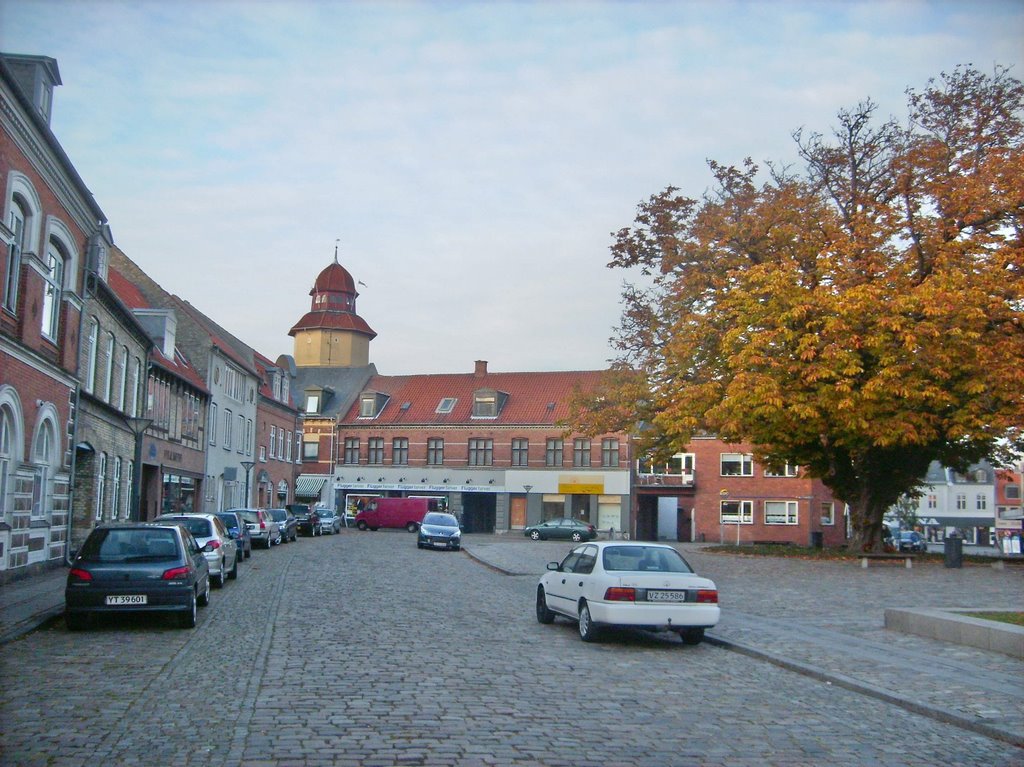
(138, 427)
(247, 465)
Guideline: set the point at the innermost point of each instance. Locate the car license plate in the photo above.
(666, 596)
(126, 599)
(443, 544)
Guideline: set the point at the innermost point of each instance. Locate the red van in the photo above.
(395, 512)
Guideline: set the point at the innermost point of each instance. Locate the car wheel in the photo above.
(218, 580)
(577, 537)
(419, 545)
(412, 527)
(535, 535)
(544, 615)
(361, 524)
(204, 599)
(588, 630)
(187, 619)
(233, 572)
(248, 552)
(76, 621)
(692, 636)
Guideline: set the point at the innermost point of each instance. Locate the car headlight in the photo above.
(456, 534)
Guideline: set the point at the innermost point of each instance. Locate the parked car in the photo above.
(238, 530)
(910, 540)
(641, 585)
(137, 567)
(563, 529)
(262, 527)
(439, 531)
(221, 552)
(308, 519)
(287, 523)
(329, 522)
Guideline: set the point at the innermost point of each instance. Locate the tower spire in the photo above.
(336, 251)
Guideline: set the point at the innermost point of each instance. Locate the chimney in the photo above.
(481, 369)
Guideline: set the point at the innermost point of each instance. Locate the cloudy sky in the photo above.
(469, 159)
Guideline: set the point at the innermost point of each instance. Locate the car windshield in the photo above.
(130, 545)
(326, 514)
(250, 516)
(199, 527)
(441, 520)
(654, 559)
(279, 515)
(229, 520)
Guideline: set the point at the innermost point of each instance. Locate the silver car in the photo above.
(218, 546)
(263, 530)
(329, 521)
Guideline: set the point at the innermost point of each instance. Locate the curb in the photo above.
(30, 624)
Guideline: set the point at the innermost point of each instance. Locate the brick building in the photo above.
(277, 437)
(51, 226)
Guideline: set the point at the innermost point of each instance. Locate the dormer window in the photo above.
(312, 402)
(487, 403)
(371, 404)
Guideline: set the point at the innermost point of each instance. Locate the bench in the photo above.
(908, 559)
(1000, 561)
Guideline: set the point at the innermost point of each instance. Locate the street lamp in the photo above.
(247, 465)
(138, 427)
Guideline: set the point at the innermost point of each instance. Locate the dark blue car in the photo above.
(238, 531)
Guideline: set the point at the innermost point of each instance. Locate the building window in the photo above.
(90, 365)
(101, 485)
(446, 405)
(780, 513)
(228, 423)
(828, 513)
(352, 450)
(400, 451)
(312, 403)
(581, 452)
(288, 447)
(311, 451)
(263, 454)
(130, 484)
(242, 431)
(736, 512)
(787, 471)
(54, 277)
(933, 501)
(520, 452)
(273, 442)
(481, 452)
(737, 465)
(115, 503)
(123, 373)
(108, 382)
(609, 452)
(961, 502)
(553, 453)
(368, 407)
(6, 454)
(435, 451)
(136, 387)
(981, 502)
(16, 221)
(213, 423)
(375, 450)
(485, 405)
(1012, 492)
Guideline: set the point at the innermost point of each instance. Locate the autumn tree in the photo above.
(860, 316)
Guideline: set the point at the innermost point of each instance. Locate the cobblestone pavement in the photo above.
(359, 649)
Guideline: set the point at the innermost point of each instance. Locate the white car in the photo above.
(618, 583)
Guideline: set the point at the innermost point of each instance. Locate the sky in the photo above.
(468, 160)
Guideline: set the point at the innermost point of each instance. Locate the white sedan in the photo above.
(617, 583)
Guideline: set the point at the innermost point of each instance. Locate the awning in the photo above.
(936, 521)
(309, 485)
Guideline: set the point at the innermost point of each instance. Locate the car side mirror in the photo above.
(553, 565)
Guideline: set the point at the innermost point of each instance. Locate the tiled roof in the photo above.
(332, 319)
(533, 398)
(133, 298)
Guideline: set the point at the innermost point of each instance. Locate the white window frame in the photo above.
(745, 461)
(123, 402)
(56, 263)
(828, 513)
(90, 365)
(101, 486)
(744, 511)
(981, 502)
(108, 384)
(115, 501)
(788, 514)
(273, 441)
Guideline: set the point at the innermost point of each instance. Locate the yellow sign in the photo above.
(575, 487)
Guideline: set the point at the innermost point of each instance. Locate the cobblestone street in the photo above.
(359, 649)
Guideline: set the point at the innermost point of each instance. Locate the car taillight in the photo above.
(263, 525)
(214, 544)
(707, 596)
(174, 573)
(79, 574)
(620, 594)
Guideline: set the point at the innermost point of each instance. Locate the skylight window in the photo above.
(446, 405)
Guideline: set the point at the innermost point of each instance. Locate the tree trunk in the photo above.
(866, 521)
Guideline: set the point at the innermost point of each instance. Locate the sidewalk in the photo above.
(28, 603)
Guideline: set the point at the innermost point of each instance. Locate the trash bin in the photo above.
(954, 546)
(817, 540)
